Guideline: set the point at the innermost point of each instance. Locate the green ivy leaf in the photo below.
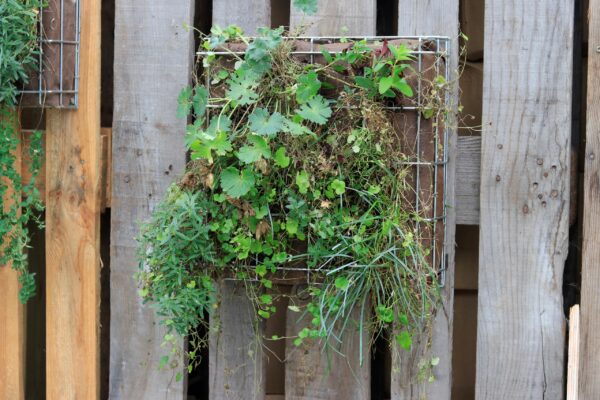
(316, 110)
(404, 340)
(259, 149)
(306, 6)
(302, 181)
(184, 103)
(308, 87)
(235, 184)
(281, 159)
(264, 124)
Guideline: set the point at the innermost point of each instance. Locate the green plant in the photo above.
(296, 165)
(20, 202)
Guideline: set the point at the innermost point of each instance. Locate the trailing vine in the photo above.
(20, 201)
(296, 167)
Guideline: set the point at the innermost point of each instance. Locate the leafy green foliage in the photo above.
(237, 184)
(259, 149)
(296, 164)
(308, 87)
(20, 201)
(316, 110)
(264, 123)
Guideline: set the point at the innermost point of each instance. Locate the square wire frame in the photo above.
(55, 82)
(438, 164)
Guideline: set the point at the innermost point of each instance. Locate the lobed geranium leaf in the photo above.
(316, 110)
(241, 88)
(308, 86)
(237, 184)
(281, 159)
(264, 124)
(259, 149)
(303, 182)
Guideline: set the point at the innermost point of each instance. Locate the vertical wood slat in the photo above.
(152, 63)
(337, 18)
(434, 17)
(236, 360)
(73, 156)
(247, 14)
(589, 366)
(310, 372)
(12, 327)
(524, 199)
(574, 355)
(232, 373)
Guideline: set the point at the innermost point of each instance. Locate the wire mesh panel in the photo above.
(418, 121)
(55, 83)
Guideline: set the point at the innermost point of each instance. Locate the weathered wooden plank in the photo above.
(236, 331)
(106, 165)
(468, 170)
(589, 364)
(73, 230)
(524, 199)
(247, 14)
(12, 327)
(435, 17)
(337, 18)
(574, 355)
(153, 62)
(236, 360)
(314, 373)
(310, 372)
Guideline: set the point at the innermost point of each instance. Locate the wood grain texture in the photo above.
(468, 171)
(433, 17)
(524, 199)
(314, 373)
(153, 62)
(589, 362)
(247, 14)
(232, 373)
(106, 165)
(73, 152)
(310, 372)
(12, 325)
(236, 359)
(337, 18)
(574, 355)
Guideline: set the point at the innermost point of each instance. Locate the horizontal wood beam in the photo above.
(468, 163)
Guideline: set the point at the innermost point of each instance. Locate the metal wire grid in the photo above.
(442, 50)
(41, 92)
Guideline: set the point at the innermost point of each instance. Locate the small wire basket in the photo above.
(55, 82)
(428, 142)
